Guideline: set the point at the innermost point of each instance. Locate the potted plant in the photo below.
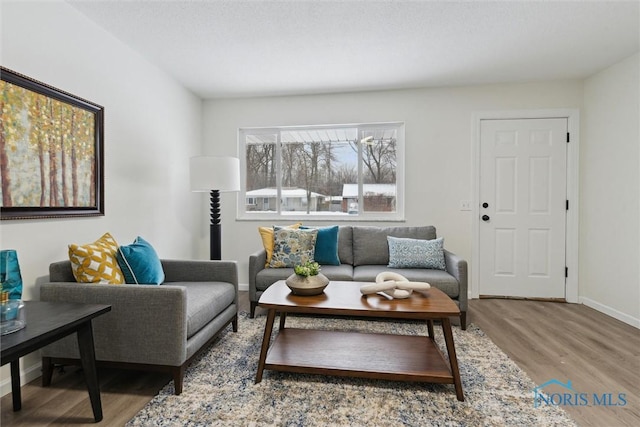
(307, 279)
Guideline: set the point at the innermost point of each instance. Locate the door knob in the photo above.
(485, 217)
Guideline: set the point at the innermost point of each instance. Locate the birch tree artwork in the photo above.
(47, 151)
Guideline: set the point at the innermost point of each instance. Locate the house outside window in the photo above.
(331, 172)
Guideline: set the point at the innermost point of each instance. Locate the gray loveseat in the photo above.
(149, 327)
(363, 253)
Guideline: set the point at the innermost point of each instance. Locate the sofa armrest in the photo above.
(457, 267)
(146, 324)
(257, 260)
(200, 271)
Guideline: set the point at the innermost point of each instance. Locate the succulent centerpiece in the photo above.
(307, 279)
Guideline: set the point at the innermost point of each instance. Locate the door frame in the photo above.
(573, 162)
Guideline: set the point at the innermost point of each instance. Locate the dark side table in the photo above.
(48, 322)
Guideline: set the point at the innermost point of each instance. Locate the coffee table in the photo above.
(353, 354)
(48, 322)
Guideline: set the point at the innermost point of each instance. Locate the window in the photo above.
(323, 172)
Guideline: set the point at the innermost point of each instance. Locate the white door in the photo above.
(523, 193)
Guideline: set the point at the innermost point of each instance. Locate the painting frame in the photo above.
(87, 193)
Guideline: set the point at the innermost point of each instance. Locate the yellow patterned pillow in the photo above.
(266, 233)
(96, 262)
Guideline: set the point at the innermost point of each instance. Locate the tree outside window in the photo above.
(348, 171)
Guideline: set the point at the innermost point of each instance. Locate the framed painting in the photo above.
(51, 151)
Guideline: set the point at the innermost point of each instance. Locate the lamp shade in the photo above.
(214, 173)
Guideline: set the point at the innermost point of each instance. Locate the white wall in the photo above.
(438, 145)
(610, 192)
(152, 126)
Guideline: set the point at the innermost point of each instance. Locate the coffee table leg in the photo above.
(268, 327)
(283, 318)
(88, 360)
(15, 385)
(430, 328)
(453, 360)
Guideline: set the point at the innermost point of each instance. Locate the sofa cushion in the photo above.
(326, 250)
(292, 247)
(269, 276)
(416, 253)
(204, 302)
(437, 278)
(370, 245)
(140, 263)
(345, 244)
(96, 262)
(338, 272)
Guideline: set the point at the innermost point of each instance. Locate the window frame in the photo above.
(278, 214)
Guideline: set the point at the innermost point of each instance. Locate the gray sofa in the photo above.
(159, 328)
(363, 253)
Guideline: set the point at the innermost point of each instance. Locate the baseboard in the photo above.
(26, 376)
(630, 320)
(243, 286)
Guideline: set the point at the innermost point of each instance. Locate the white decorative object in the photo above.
(393, 285)
(11, 316)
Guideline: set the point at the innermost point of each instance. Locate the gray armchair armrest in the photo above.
(257, 261)
(143, 319)
(201, 271)
(457, 267)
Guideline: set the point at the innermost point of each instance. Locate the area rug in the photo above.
(219, 388)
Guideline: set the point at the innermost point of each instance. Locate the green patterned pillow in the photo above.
(292, 247)
(415, 253)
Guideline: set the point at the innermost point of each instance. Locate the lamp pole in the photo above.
(223, 174)
(215, 234)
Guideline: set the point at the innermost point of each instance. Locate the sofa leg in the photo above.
(234, 323)
(47, 371)
(178, 375)
(252, 312)
(463, 320)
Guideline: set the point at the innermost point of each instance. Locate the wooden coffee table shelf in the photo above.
(381, 356)
(353, 354)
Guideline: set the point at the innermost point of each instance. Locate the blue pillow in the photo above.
(415, 253)
(326, 245)
(140, 264)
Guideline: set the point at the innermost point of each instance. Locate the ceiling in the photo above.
(240, 48)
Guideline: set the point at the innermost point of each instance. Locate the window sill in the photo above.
(322, 218)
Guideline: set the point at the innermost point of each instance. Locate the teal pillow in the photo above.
(326, 252)
(140, 264)
(415, 253)
(292, 247)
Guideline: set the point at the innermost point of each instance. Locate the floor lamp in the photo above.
(215, 175)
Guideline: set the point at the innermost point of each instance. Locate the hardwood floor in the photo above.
(550, 340)
(598, 354)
